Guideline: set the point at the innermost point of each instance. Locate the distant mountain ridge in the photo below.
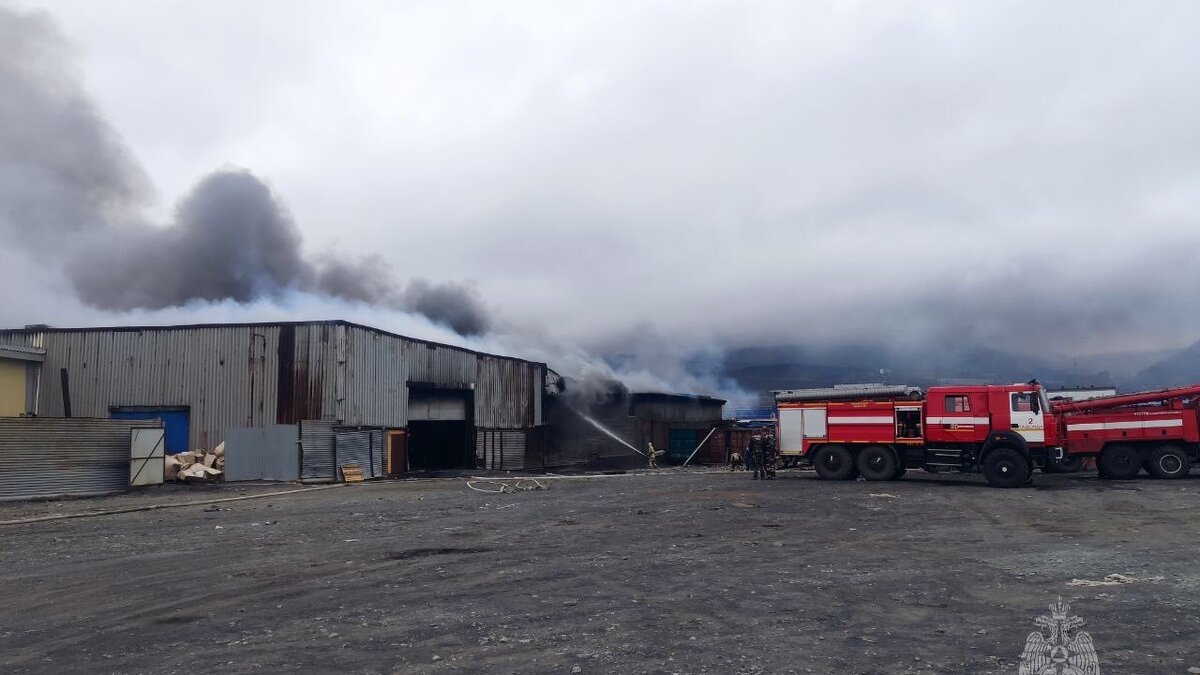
(1179, 369)
(762, 369)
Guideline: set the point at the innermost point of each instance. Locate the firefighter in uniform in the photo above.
(650, 455)
(753, 457)
(768, 455)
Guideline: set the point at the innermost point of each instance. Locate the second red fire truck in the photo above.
(1001, 431)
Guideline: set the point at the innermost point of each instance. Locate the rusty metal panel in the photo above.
(51, 457)
(315, 372)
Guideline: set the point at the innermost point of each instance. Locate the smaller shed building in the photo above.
(677, 423)
(612, 431)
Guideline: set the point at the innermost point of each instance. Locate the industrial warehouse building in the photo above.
(334, 389)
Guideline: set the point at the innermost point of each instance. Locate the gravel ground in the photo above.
(670, 572)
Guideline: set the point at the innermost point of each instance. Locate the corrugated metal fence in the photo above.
(316, 450)
(501, 449)
(363, 447)
(52, 457)
(263, 453)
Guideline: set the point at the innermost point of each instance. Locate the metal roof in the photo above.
(844, 393)
(22, 353)
(675, 398)
(41, 328)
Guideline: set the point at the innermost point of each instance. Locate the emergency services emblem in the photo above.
(1058, 648)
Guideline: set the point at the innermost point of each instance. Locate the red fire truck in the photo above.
(1155, 430)
(878, 432)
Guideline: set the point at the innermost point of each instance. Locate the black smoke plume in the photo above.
(71, 193)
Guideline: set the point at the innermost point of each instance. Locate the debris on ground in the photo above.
(502, 485)
(1109, 580)
(882, 495)
(196, 465)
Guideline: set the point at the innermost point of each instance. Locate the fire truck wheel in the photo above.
(834, 462)
(1120, 462)
(1168, 461)
(900, 470)
(1006, 468)
(876, 462)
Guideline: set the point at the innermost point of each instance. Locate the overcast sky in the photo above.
(1024, 174)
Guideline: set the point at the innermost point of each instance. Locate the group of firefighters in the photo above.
(759, 456)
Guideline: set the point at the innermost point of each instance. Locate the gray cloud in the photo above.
(1021, 175)
(69, 189)
(448, 303)
(230, 240)
(64, 172)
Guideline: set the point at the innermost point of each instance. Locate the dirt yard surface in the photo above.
(676, 572)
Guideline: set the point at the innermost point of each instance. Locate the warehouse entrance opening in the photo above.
(438, 445)
(439, 421)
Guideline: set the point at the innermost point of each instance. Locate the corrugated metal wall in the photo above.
(500, 449)
(363, 447)
(376, 379)
(263, 453)
(316, 450)
(507, 391)
(724, 442)
(238, 376)
(219, 372)
(50, 457)
(677, 411)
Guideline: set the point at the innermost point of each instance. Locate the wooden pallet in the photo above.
(352, 473)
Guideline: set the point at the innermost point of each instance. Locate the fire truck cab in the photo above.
(879, 432)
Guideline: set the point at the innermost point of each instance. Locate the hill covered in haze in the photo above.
(1178, 369)
(761, 369)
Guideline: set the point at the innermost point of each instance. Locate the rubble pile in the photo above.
(196, 465)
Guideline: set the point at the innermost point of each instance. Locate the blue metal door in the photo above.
(175, 420)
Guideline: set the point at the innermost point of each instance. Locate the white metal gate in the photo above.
(146, 450)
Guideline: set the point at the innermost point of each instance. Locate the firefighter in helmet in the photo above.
(768, 454)
(753, 457)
